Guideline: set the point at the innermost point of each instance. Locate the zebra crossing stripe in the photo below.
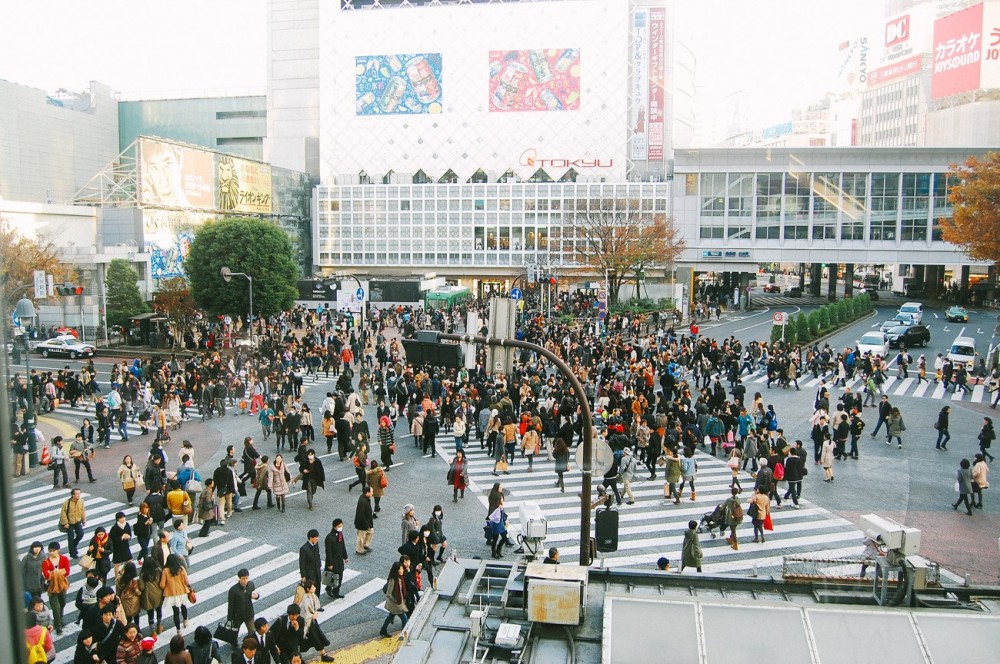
(919, 392)
(888, 383)
(977, 393)
(904, 386)
(938, 391)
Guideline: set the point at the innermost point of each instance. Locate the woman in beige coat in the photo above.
(278, 478)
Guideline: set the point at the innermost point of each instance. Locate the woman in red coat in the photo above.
(458, 475)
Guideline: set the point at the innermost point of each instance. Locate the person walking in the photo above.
(278, 479)
(896, 427)
(531, 444)
(409, 522)
(151, 596)
(386, 441)
(72, 521)
(130, 476)
(963, 484)
(689, 468)
(986, 437)
(795, 470)
(980, 480)
(458, 475)
(758, 509)
(208, 511)
(364, 522)
(884, 411)
(560, 453)
(691, 549)
(175, 586)
(336, 559)
(120, 537)
(262, 477)
(627, 469)
(57, 463)
(942, 428)
(310, 558)
(225, 488)
(826, 457)
(81, 453)
(55, 572)
(376, 478)
(360, 459)
(239, 602)
(673, 476)
(438, 542)
(395, 598)
(313, 476)
(733, 515)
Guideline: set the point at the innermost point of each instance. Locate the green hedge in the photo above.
(643, 305)
(802, 329)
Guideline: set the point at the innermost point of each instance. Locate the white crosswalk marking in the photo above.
(919, 392)
(212, 565)
(888, 383)
(904, 386)
(977, 393)
(650, 529)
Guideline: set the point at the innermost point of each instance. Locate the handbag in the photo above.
(186, 507)
(392, 448)
(128, 484)
(224, 632)
(192, 598)
(502, 466)
(768, 524)
(87, 560)
(194, 485)
(331, 578)
(383, 481)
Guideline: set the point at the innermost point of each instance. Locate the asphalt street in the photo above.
(913, 485)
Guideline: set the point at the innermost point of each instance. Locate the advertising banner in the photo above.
(175, 176)
(990, 73)
(397, 84)
(535, 80)
(167, 237)
(244, 186)
(957, 52)
(657, 71)
(898, 69)
(640, 84)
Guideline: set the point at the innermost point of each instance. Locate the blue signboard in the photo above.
(516, 294)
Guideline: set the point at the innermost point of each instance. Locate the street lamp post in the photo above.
(227, 276)
(588, 424)
(25, 311)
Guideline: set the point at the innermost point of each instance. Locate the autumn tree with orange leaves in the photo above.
(617, 238)
(975, 199)
(19, 258)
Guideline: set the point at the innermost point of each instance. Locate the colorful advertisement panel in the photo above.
(397, 84)
(657, 76)
(640, 84)
(168, 235)
(897, 70)
(175, 176)
(535, 80)
(957, 52)
(244, 186)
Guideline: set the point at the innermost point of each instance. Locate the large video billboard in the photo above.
(541, 79)
(397, 84)
(175, 176)
(958, 45)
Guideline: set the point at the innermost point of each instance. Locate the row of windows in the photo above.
(591, 190)
(909, 230)
(488, 204)
(450, 258)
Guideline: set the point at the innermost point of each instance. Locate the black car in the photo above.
(908, 336)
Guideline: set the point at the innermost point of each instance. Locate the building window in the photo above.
(915, 229)
(796, 205)
(853, 206)
(711, 232)
(884, 206)
(768, 206)
(404, 205)
(239, 115)
(713, 195)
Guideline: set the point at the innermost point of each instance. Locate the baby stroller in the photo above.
(712, 520)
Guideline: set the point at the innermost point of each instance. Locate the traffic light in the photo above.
(69, 289)
(552, 280)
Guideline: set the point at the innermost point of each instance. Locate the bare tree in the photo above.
(617, 238)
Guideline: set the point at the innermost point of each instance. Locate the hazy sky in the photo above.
(785, 51)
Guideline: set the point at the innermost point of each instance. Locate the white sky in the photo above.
(785, 51)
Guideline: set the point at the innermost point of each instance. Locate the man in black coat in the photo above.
(240, 602)
(310, 564)
(267, 646)
(364, 522)
(313, 477)
(343, 427)
(225, 487)
(288, 633)
(336, 557)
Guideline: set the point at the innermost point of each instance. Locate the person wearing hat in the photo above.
(146, 647)
(288, 632)
(627, 469)
(663, 564)
(239, 607)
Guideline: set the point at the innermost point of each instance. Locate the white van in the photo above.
(915, 310)
(963, 349)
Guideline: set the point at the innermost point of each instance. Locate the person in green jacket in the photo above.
(691, 551)
(673, 473)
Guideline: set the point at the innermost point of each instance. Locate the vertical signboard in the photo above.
(640, 84)
(657, 70)
(958, 45)
(990, 74)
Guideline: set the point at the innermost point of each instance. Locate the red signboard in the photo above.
(897, 30)
(957, 52)
(896, 70)
(657, 69)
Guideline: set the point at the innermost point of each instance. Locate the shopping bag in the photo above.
(502, 466)
(86, 561)
(768, 524)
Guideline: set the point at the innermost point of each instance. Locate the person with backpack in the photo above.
(37, 638)
(733, 511)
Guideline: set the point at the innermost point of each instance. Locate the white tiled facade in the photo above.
(460, 229)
